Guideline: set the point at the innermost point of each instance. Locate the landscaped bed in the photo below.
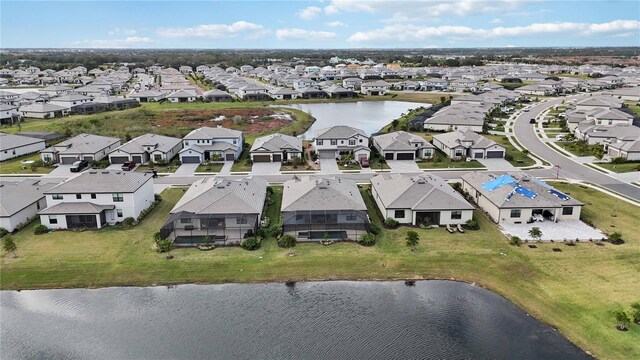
(441, 161)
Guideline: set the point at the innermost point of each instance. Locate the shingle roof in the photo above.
(102, 181)
(212, 133)
(15, 196)
(182, 94)
(456, 138)
(220, 195)
(75, 208)
(42, 108)
(277, 142)
(400, 140)
(82, 144)
(11, 141)
(339, 132)
(159, 142)
(321, 194)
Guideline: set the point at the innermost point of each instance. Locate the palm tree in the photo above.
(535, 233)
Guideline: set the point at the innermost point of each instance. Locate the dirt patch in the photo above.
(251, 120)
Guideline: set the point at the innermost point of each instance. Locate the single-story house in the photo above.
(96, 198)
(82, 147)
(12, 146)
(182, 96)
(332, 142)
(629, 150)
(283, 93)
(148, 96)
(276, 148)
(605, 134)
(20, 202)
(44, 110)
(207, 143)
(146, 147)
(216, 95)
(419, 200)
(401, 145)
(315, 209)
(518, 198)
(458, 145)
(220, 210)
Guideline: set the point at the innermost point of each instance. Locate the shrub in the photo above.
(391, 223)
(515, 241)
(9, 245)
(3, 232)
(251, 243)
(275, 230)
(616, 238)
(472, 224)
(367, 240)
(287, 241)
(129, 221)
(374, 229)
(157, 197)
(40, 229)
(165, 245)
(412, 238)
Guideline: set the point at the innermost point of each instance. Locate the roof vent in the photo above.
(322, 187)
(421, 181)
(105, 172)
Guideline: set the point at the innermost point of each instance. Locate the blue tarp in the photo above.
(560, 195)
(525, 192)
(499, 182)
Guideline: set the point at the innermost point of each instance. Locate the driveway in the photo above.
(560, 231)
(403, 166)
(62, 170)
(186, 169)
(226, 168)
(115, 167)
(328, 166)
(497, 165)
(268, 168)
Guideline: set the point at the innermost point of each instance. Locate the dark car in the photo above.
(79, 166)
(364, 162)
(532, 121)
(129, 165)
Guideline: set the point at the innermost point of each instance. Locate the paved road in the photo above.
(569, 169)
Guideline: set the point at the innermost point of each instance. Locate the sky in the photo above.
(318, 24)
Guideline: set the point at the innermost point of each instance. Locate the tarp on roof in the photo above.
(525, 192)
(499, 182)
(559, 194)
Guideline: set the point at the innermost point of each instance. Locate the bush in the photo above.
(287, 241)
(165, 245)
(391, 223)
(374, 229)
(251, 243)
(275, 230)
(472, 224)
(412, 238)
(515, 241)
(616, 238)
(40, 229)
(367, 240)
(3, 232)
(129, 221)
(157, 197)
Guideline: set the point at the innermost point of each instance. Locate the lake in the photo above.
(314, 320)
(369, 116)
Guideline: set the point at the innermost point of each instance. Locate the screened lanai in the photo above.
(316, 225)
(189, 229)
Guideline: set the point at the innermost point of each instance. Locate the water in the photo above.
(369, 116)
(328, 320)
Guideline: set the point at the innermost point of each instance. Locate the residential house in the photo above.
(419, 200)
(461, 85)
(216, 95)
(44, 111)
(517, 198)
(458, 145)
(70, 100)
(276, 148)
(182, 96)
(217, 210)
(207, 143)
(148, 96)
(143, 148)
(12, 146)
(253, 92)
(379, 87)
(97, 198)
(317, 209)
(628, 150)
(606, 134)
(82, 147)
(283, 93)
(352, 83)
(401, 145)
(338, 92)
(20, 202)
(9, 114)
(332, 142)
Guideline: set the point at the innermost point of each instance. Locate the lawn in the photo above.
(161, 169)
(621, 168)
(14, 166)
(579, 148)
(515, 157)
(242, 164)
(349, 167)
(441, 161)
(574, 290)
(213, 167)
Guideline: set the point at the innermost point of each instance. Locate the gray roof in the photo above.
(611, 114)
(400, 140)
(601, 101)
(15, 196)
(182, 94)
(620, 132)
(277, 142)
(147, 93)
(70, 97)
(75, 208)
(11, 141)
(377, 83)
(159, 142)
(220, 195)
(102, 181)
(215, 92)
(212, 133)
(456, 138)
(321, 194)
(43, 108)
(339, 132)
(499, 196)
(282, 91)
(82, 144)
(422, 192)
(628, 146)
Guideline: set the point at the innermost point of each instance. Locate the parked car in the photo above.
(364, 162)
(532, 121)
(79, 165)
(129, 165)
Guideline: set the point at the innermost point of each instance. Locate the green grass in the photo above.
(513, 156)
(349, 167)
(621, 168)
(161, 169)
(241, 164)
(578, 148)
(634, 107)
(213, 167)
(441, 161)
(574, 290)
(13, 166)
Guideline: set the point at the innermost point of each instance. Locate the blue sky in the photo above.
(318, 24)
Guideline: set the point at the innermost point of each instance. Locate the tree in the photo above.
(287, 242)
(535, 233)
(622, 318)
(412, 238)
(9, 245)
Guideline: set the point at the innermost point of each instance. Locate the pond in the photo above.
(369, 116)
(314, 320)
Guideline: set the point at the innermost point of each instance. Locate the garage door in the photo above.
(68, 160)
(119, 159)
(405, 156)
(230, 157)
(327, 154)
(190, 159)
(495, 154)
(261, 158)
(388, 156)
(137, 159)
(477, 155)
(277, 157)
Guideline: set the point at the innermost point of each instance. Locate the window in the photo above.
(334, 142)
(319, 142)
(398, 214)
(235, 141)
(78, 196)
(567, 210)
(242, 220)
(456, 215)
(361, 140)
(515, 213)
(53, 219)
(351, 217)
(118, 197)
(185, 221)
(119, 212)
(56, 196)
(93, 196)
(458, 152)
(352, 142)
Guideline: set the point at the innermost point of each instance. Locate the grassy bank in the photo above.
(515, 157)
(14, 166)
(621, 168)
(574, 290)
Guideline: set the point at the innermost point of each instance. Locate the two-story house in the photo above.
(207, 143)
(332, 142)
(96, 198)
(401, 145)
(70, 100)
(379, 87)
(146, 147)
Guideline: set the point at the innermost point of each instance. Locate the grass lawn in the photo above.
(13, 166)
(161, 169)
(423, 97)
(214, 167)
(515, 157)
(621, 168)
(578, 148)
(635, 108)
(349, 167)
(574, 290)
(441, 161)
(241, 165)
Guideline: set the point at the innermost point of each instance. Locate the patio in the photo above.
(570, 230)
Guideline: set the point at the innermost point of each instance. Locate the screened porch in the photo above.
(319, 225)
(189, 229)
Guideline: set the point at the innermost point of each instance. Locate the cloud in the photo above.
(424, 8)
(129, 42)
(118, 31)
(309, 13)
(335, 24)
(216, 31)
(300, 34)
(409, 33)
(496, 21)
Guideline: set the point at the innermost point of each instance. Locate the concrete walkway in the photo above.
(560, 231)
(226, 168)
(186, 169)
(497, 165)
(328, 166)
(403, 166)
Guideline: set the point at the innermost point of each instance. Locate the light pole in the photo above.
(557, 171)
